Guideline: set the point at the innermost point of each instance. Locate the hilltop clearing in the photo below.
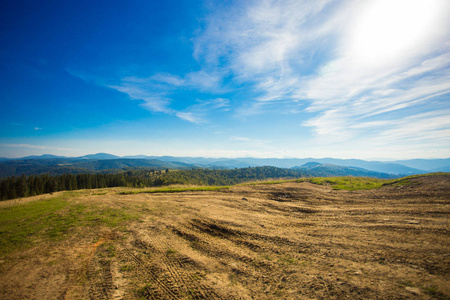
(334, 238)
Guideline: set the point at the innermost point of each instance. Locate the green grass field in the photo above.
(51, 219)
(364, 183)
(349, 183)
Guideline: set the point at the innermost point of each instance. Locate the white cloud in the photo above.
(203, 80)
(256, 36)
(218, 103)
(267, 44)
(151, 91)
(310, 51)
(169, 79)
(198, 113)
(156, 92)
(190, 117)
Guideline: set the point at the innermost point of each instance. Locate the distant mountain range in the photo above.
(104, 162)
(61, 165)
(401, 167)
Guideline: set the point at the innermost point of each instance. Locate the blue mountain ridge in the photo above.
(399, 167)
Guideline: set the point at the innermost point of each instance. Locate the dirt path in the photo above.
(281, 241)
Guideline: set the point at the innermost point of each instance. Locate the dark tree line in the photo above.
(226, 176)
(24, 186)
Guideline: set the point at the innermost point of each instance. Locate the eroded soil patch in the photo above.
(280, 241)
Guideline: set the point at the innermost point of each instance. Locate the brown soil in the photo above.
(285, 241)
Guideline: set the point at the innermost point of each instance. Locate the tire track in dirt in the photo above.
(208, 248)
(99, 272)
(178, 273)
(101, 280)
(290, 210)
(250, 240)
(204, 239)
(180, 281)
(217, 230)
(155, 289)
(247, 265)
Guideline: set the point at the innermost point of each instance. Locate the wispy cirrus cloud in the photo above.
(309, 52)
(243, 44)
(351, 102)
(152, 91)
(156, 92)
(190, 117)
(256, 37)
(198, 113)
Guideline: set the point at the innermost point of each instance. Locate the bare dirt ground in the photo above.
(280, 241)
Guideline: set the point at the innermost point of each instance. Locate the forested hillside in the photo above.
(227, 177)
(23, 186)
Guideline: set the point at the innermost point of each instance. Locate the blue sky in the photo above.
(345, 79)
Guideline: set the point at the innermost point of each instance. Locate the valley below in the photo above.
(286, 240)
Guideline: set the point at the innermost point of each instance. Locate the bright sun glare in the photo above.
(388, 30)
